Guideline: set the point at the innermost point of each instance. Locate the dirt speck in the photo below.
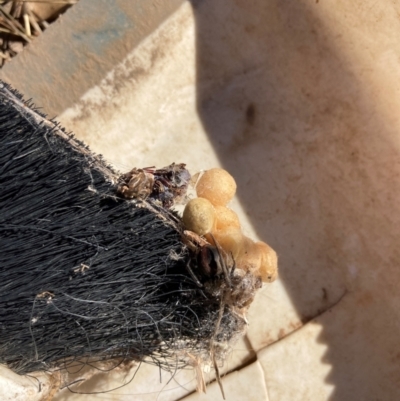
(251, 114)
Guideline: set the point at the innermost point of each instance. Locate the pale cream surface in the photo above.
(300, 102)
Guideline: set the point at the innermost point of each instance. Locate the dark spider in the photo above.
(211, 261)
(233, 288)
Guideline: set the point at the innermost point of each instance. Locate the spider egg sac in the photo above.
(216, 185)
(269, 263)
(199, 216)
(225, 218)
(250, 256)
(230, 240)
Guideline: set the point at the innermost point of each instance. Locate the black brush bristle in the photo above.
(84, 275)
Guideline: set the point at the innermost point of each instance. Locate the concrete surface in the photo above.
(80, 47)
(299, 101)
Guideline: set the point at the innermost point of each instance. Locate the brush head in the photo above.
(87, 275)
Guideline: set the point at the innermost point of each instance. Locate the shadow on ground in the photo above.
(297, 120)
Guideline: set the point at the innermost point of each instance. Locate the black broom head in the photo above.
(94, 264)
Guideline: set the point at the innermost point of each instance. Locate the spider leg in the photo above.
(196, 280)
(226, 272)
(222, 263)
(233, 264)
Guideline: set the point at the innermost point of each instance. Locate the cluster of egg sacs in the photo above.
(208, 214)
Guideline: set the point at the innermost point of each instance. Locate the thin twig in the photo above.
(34, 23)
(25, 16)
(27, 25)
(5, 30)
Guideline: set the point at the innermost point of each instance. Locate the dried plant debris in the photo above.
(166, 185)
(22, 20)
(95, 266)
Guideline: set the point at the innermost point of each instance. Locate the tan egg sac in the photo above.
(255, 257)
(199, 216)
(225, 218)
(249, 257)
(216, 185)
(230, 240)
(269, 263)
(208, 214)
